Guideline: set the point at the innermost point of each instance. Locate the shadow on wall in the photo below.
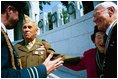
(64, 72)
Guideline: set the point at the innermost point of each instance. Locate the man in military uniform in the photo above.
(10, 66)
(105, 17)
(32, 50)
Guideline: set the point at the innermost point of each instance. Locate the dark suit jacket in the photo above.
(110, 64)
(6, 67)
(88, 62)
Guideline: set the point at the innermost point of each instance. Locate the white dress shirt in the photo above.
(3, 26)
(108, 29)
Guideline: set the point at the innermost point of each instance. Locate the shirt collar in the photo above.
(32, 42)
(3, 26)
(108, 29)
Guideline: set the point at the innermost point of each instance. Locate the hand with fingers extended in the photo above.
(54, 64)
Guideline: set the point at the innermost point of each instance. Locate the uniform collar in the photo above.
(3, 26)
(108, 29)
(22, 45)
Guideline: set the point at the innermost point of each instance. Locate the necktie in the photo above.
(105, 38)
(29, 46)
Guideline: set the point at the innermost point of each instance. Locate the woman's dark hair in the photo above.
(93, 35)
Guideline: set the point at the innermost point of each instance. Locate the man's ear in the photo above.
(9, 9)
(111, 10)
(39, 31)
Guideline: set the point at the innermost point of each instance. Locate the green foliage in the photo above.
(65, 16)
(49, 21)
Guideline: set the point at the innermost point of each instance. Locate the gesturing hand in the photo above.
(52, 65)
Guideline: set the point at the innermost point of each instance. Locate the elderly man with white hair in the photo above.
(105, 17)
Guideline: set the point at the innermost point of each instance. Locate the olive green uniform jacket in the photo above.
(37, 54)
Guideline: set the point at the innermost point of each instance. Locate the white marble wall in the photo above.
(72, 38)
(44, 16)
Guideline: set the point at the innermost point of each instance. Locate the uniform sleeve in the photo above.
(72, 61)
(49, 50)
(79, 65)
(31, 72)
(34, 72)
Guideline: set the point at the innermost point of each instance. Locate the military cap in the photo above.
(27, 19)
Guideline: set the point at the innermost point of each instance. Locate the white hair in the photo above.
(107, 4)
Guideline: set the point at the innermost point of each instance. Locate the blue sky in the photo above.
(47, 8)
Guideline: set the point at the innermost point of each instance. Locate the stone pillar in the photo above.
(43, 22)
(79, 9)
(57, 17)
(71, 11)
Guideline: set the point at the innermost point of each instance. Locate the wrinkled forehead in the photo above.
(31, 24)
(98, 9)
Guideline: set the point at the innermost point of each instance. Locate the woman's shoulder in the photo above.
(90, 51)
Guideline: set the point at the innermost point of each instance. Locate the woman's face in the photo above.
(99, 37)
